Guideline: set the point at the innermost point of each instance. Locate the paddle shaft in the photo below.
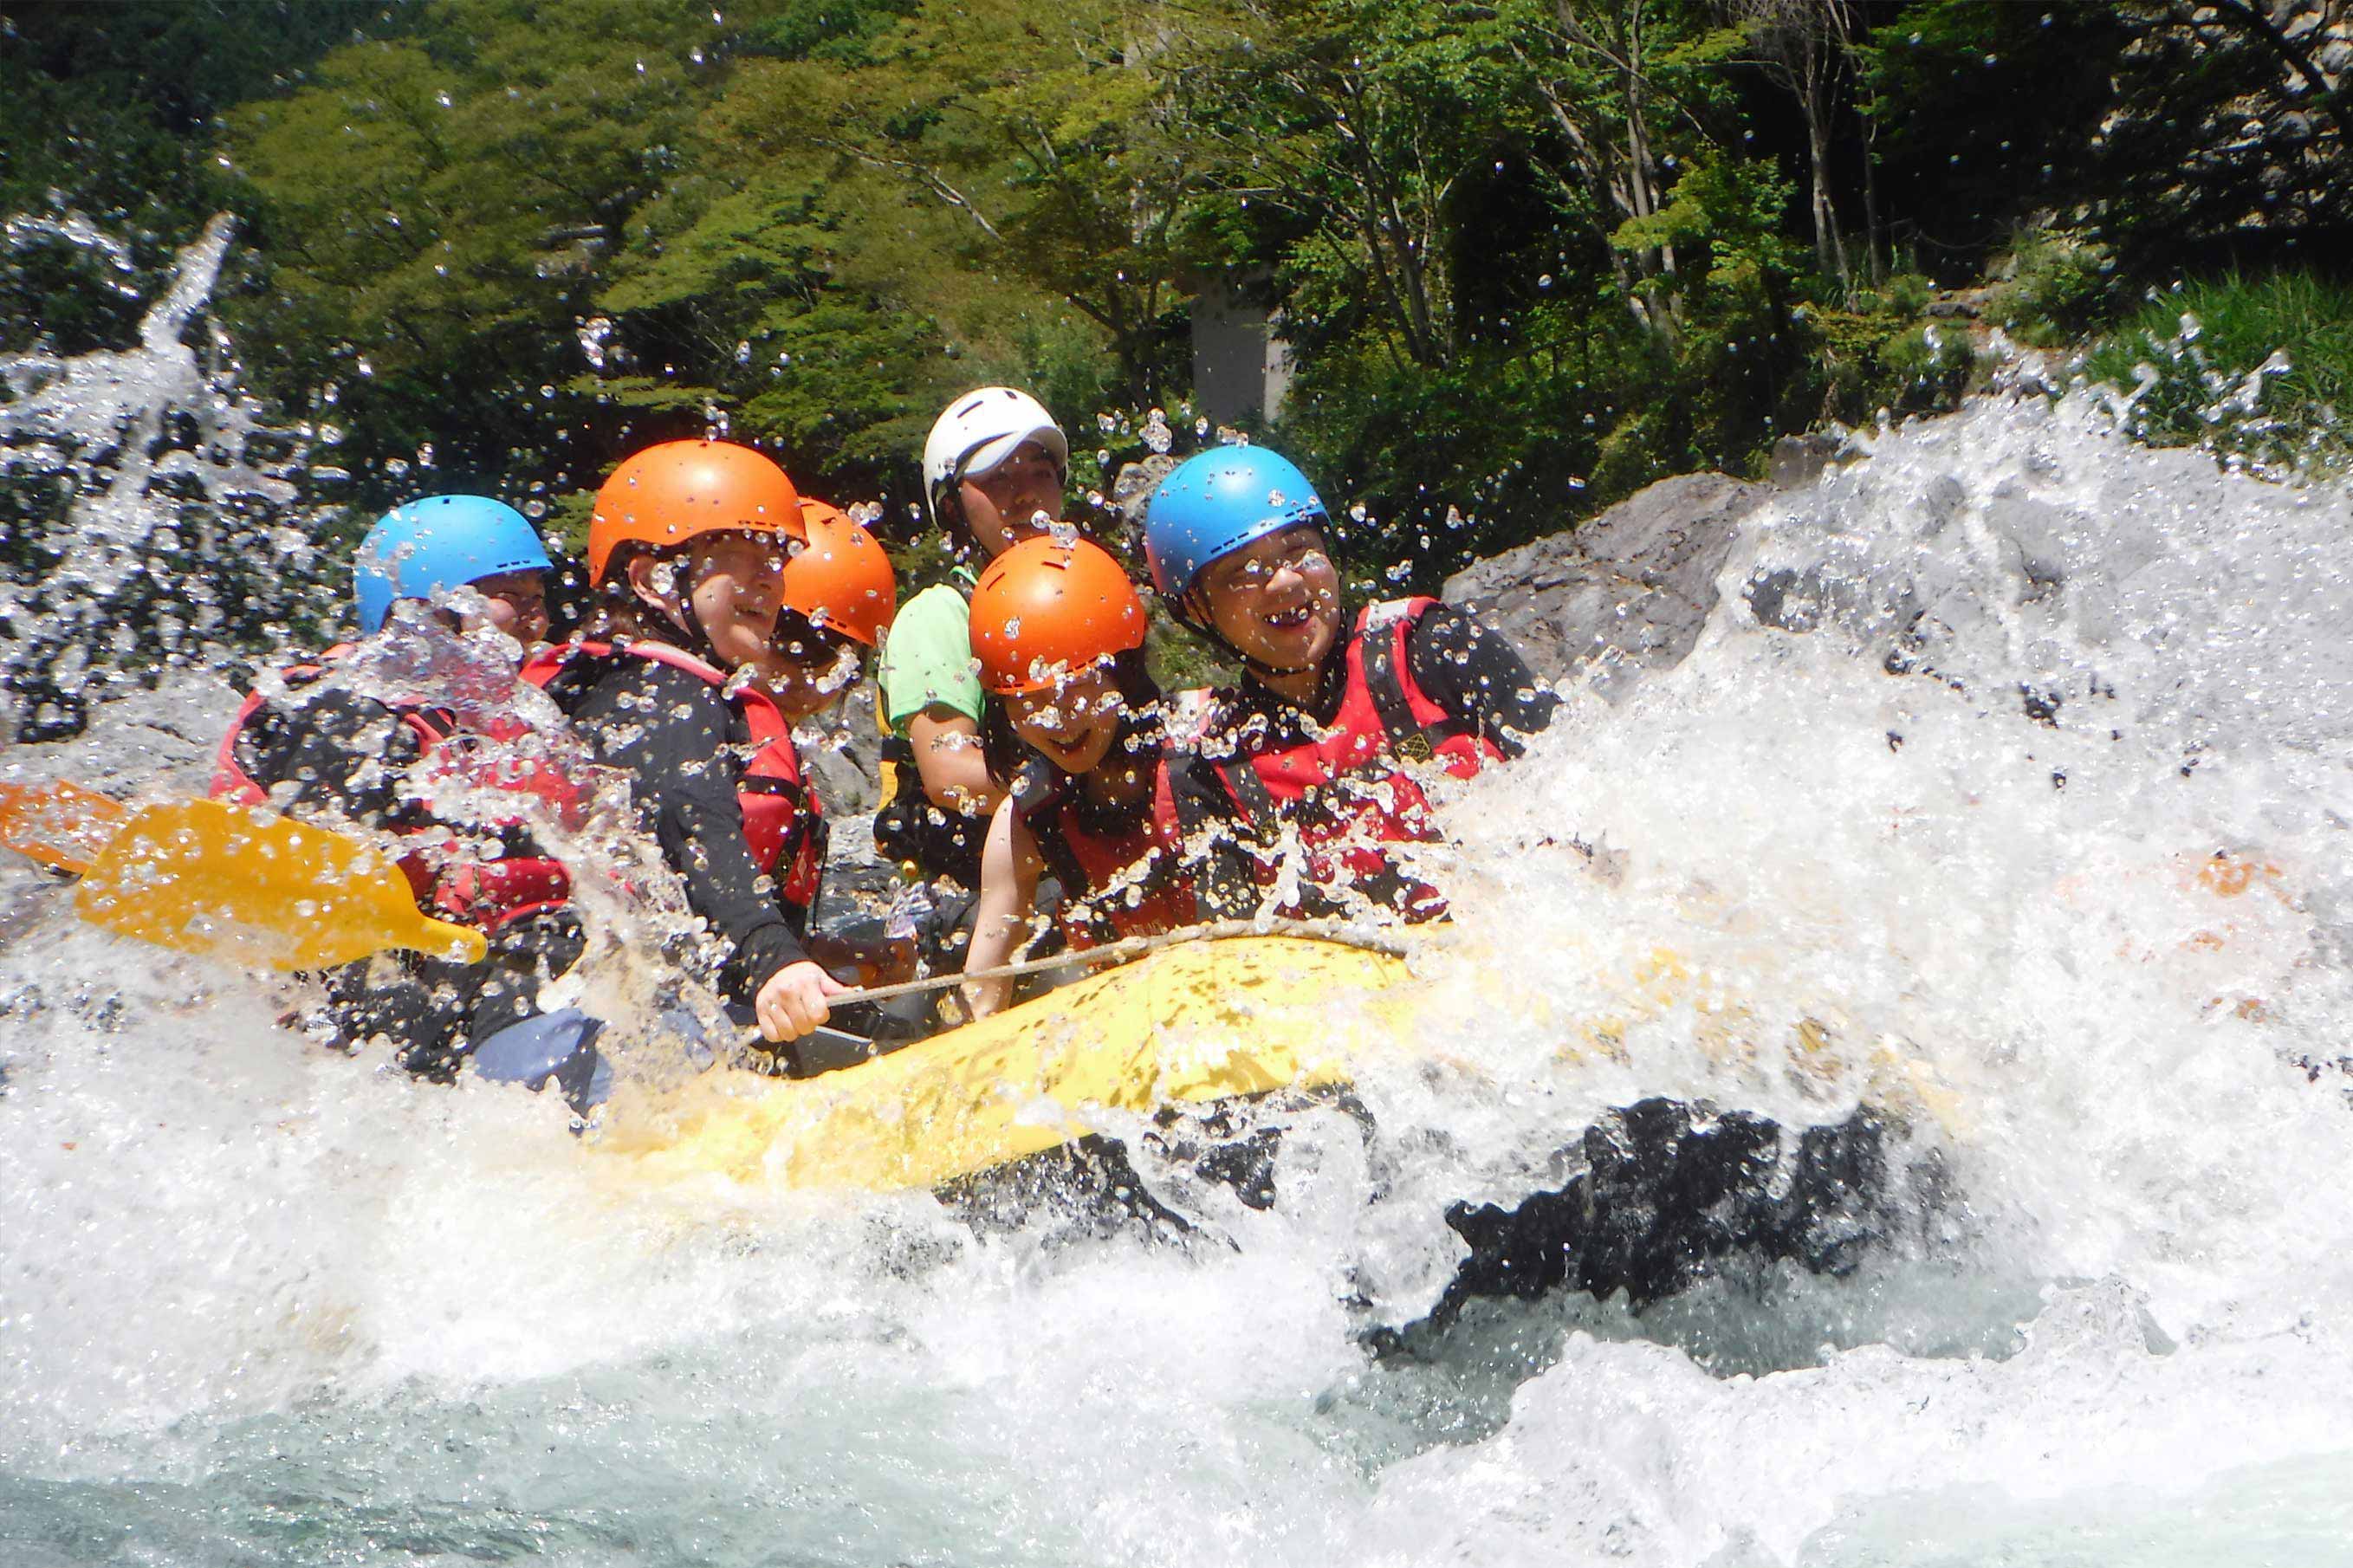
(1119, 952)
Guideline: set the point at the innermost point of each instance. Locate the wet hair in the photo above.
(794, 627)
(1004, 751)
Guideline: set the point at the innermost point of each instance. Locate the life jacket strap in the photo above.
(1250, 792)
(1385, 679)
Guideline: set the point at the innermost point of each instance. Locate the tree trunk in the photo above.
(1873, 237)
(1813, 96)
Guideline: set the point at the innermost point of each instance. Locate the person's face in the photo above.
(805, 668)
(1276, 602)
(1014, 500)
(733, 581)
(1073, 721)
(513, 601)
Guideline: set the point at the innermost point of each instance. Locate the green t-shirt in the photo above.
(927, 658)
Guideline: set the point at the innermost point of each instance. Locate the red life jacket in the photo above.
(783, 822)
(1098, 867)
(1349, 790)
(446, 879)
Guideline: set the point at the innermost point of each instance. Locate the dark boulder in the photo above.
(1624, 593)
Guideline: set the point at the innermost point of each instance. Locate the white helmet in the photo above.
(980, 430)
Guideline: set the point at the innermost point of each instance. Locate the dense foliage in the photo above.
(1529, 254)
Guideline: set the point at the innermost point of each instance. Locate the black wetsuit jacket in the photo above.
(685, 748)
(341, 752)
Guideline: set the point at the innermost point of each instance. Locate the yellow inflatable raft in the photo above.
(1205, 1021)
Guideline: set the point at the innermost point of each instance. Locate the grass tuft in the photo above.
(2253, 368)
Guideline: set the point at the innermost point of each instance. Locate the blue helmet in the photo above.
(1214, 503)
(441, 543)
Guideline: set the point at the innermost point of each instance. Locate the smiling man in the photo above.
(994, 471)
(1319, 753)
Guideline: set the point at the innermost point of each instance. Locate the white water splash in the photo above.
(263, 1306)
(178, 511)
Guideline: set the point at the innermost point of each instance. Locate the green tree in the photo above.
(1627, 89)
(1350, 124)
(435, 210)
(104, 124)
(1041, 135)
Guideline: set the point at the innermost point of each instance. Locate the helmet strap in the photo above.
(947, 507)
(686, 618)
(699, 643)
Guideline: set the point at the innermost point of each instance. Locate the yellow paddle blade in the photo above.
(201, 876)
(62, 826)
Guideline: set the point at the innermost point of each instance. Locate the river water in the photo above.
(2008, 788)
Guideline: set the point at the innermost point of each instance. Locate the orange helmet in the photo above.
(1048, 607)
(841, 580)
(667, 494)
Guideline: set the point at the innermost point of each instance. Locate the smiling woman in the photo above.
(1275, 602)
(688, 546)
(1076, 736)
(1319, 745)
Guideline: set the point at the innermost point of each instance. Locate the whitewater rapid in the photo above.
(1930, 818)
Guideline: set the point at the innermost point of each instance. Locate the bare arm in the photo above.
(948, 756)
(1008, 893)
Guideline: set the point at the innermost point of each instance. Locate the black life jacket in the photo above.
(783, 822)
(1349, 789)
(477, 890)
(1117, 868)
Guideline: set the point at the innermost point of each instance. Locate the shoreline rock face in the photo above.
(1621, 596)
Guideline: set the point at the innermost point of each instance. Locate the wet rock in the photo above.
(1799, 460)
(1624, 593)
(1673, 1192)
(849, 774)
(1131, 491)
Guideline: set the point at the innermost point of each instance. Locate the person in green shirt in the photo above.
(995, 467)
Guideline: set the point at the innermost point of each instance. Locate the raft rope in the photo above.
(1369, 938)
